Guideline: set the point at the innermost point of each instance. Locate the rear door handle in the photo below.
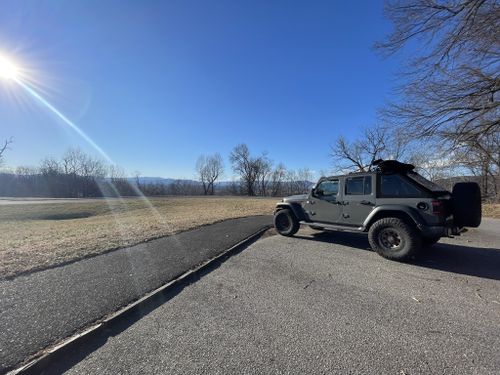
(367, 203)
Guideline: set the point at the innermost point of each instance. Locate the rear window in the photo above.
(425, 182)
(395, 186)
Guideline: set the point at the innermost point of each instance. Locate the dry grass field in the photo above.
(39, 235)
(35, 236)
(491, 210)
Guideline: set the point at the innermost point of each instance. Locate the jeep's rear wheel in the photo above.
(286, 223)
(394, 239)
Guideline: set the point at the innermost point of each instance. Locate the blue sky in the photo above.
(157, 83)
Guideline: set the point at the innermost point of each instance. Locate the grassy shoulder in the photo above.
(34, 236)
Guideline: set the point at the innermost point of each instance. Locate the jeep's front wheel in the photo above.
(393, 239)
(286, 223)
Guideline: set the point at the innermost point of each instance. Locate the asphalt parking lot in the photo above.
(41, 308)
(319, 303)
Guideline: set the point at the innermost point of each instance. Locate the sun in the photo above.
(8, 70)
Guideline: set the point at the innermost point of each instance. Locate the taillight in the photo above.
(438, 208)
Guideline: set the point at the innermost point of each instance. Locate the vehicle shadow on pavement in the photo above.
(356, 240)
(467, 260)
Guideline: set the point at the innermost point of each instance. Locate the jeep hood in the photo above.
(295, 198)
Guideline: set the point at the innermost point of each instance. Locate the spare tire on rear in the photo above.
(466, 198)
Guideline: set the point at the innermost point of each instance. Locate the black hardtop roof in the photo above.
(380, 167)
(350, 174)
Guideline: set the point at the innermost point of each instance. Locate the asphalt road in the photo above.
(318, 303)
(41, 308)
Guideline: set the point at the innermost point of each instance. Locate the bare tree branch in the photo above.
(3, 148)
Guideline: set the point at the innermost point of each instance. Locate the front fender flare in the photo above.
(296, 208)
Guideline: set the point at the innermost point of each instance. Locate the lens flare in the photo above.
(62, 117)
(89, 140)
(8, 70)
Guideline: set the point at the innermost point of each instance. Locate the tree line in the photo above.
(79, 175)
(257, 175)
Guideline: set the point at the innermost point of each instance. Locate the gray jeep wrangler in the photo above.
(399, 209)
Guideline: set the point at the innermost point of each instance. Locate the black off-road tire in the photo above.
(286, 223)
(466, 199)
(394, 239)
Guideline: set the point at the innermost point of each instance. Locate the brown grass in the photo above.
(491, 210)
(35, 236)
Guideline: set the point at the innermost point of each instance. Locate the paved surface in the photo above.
(322, 303)
(41, 308)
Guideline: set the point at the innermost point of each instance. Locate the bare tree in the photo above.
(483, 160)
(264, 169)
(450, 89)
(50, 166)
(4, 148)
(209, 170)
(137, 178)
(304, 177)
(72, 161)
(246, 166)
(277, 180)
(374, 143)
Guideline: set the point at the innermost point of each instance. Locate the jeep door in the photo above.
(359, 199)
(324, 202)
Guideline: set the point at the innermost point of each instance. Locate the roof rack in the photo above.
(391, 166)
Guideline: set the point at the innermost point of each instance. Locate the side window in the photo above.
(368, 185)
(394, 186)
(358, 185)
(328, 188)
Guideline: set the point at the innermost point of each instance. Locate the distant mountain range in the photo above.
(167, 181)
(157, 180)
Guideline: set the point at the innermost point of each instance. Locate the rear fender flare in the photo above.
(394, 210)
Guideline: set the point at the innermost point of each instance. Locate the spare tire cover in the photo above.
(466, 197)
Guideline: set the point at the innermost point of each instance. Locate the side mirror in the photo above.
(317, 192)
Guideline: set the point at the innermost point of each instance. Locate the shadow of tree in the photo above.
(467, 260)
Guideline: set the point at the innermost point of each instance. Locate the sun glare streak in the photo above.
(67, 121)
(82, 134)
(11, 73)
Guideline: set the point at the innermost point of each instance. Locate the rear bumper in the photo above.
(440, 231)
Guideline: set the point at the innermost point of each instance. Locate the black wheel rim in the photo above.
(390, 239)
(283, 222)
